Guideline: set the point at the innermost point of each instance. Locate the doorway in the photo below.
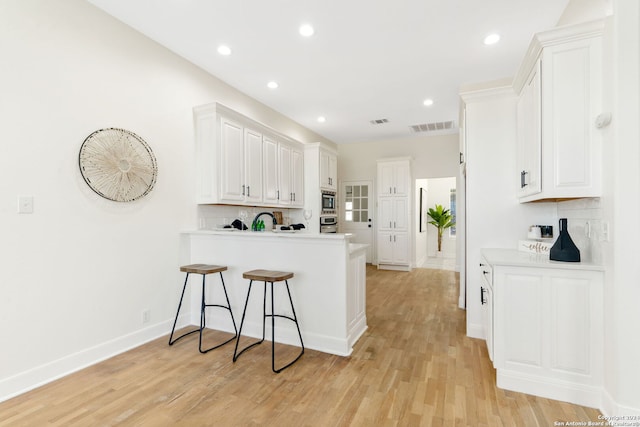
(431, 192)
(356, 211)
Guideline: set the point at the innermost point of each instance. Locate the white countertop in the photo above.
(515, 258)
(355, 247)
(298, 234)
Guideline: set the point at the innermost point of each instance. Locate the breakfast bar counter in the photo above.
(328, 287)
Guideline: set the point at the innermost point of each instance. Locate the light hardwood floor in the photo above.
(413, 367)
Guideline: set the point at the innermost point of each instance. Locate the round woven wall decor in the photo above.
(118, 165)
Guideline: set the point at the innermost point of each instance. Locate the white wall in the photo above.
(621, 205)
(78, 273)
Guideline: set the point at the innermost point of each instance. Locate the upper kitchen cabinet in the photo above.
(241, 172)
(394, 178)
(560, 95)
(242, 162)
(328, 170)
(321, 173)
(291, 179)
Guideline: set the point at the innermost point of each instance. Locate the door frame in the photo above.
(373, 210)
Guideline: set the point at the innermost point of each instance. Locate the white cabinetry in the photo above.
(394, 244)
(328, 170)
(242, 162)
(270, 171)
(356, 293)
(560, 87)
(394, 178)
(291, 179)
(486, 300)
(547, 327)
(529, 142)
(321, 173)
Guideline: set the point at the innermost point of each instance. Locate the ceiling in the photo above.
(367, 60)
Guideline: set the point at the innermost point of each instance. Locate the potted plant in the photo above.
(442, 219)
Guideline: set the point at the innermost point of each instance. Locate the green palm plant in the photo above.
(442, 219)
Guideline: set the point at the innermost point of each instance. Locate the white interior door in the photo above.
(357, 208)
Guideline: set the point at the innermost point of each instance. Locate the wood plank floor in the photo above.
(413, 367)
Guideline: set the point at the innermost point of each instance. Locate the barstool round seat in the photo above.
(271, 277)
(267, 275)
(204, 270)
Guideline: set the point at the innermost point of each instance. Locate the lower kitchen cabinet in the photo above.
(393, 250)
(547, 326)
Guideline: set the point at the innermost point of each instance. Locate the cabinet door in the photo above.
(393, 213)
(386, 181)
(325, 178)
(571, 100)
(284, 176)
(401, 248)
(486, 293)
(253, 166)
(529, 141)
(270, 170)
(519, 317)
(333, 172)
(385, 247)
(401, 178)
(297, 177)
(386, 213)
(401, 214)
(232, 164)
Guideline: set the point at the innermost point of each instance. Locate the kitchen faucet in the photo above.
(255, 220)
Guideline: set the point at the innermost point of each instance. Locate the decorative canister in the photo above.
(564, 249)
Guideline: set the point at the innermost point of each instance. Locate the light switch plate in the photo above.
(25, 204)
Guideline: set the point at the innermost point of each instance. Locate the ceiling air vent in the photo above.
(432, 127)
(379, 121)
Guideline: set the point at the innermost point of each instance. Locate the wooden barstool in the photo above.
(269, 276)
(203, 269)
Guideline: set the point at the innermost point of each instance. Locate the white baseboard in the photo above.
(40, 375)
(611, 408)
(579, 394)
(475, 330)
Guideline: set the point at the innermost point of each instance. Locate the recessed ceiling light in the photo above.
(492, 39)
(322, 119)
(428, 102)
(224, 50)
(306, 30)
(272, 85)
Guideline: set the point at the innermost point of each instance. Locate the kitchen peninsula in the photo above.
(328, 288)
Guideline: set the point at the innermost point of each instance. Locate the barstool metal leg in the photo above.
(171, 340)
(273, 331)
(203, 318)
(237, 354)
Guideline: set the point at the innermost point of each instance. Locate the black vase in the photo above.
(564, 249)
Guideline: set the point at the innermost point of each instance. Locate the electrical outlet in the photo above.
(25, 204)
(146, 316)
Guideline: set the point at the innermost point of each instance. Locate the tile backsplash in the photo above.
(584, 223)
